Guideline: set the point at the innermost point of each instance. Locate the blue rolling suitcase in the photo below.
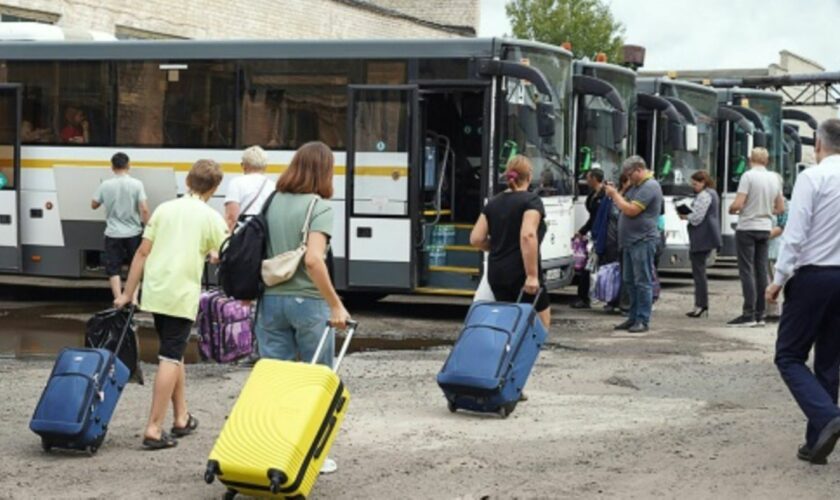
(492, 358)
(80, 397)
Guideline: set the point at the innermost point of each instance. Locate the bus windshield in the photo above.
(771, 116)
(676, 165)
(739, 154)
(597, 145)
(550, 157)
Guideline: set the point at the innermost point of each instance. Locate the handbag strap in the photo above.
(307, 222)
(256, 196)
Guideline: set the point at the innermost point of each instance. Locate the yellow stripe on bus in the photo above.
(377, 171)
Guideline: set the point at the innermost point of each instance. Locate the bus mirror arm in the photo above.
(545, 120)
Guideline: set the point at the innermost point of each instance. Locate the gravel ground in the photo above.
(689, 410)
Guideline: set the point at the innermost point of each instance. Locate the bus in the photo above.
(420, 129)
(677, 136)
(605, 124)
(760, 125)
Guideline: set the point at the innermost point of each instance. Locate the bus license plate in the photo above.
(553, 274)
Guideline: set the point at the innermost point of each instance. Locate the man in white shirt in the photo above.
(247, 193)
(759, 197)
(808, 269)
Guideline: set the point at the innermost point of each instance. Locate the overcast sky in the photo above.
(689, 34)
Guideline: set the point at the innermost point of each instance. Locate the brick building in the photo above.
(265, 19)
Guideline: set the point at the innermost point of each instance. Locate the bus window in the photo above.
(386, 73)
(443, 69)
(185, 104)
(8, 122)
(286, 104)
(66, 103)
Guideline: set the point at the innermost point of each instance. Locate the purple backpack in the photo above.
(608, 283)
(225, 327)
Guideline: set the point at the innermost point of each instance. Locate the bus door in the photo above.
(381, 196)
(10, 104)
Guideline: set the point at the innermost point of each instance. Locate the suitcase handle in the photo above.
(536, 297)
(131, 309)
(351, 329)
(325, 438)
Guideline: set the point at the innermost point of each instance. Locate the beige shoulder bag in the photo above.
(282, 267)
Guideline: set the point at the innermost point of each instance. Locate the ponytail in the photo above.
(518, 171)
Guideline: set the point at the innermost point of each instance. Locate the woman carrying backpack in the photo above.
(293, 314)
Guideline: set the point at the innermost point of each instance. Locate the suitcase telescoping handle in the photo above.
(351, 329)
(131, 309)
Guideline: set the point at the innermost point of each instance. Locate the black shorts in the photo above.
(119, 251)
(173, 334)
(509, 292)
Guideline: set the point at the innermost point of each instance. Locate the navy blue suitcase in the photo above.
(492, 358)
(79, 400)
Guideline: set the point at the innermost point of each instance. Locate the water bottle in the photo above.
(448, 234)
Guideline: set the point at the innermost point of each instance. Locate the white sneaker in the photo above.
(329, 466)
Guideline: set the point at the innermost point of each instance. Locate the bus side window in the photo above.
(288, 103)
(185, 104)
(37, 124)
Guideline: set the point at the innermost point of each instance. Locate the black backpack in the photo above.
(241, 256)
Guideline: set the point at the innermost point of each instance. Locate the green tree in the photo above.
(587, 24)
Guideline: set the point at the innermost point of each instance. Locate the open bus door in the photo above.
(381, 197)
(10, 104)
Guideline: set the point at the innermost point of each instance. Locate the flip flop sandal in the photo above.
(192, 425)
(165, 441)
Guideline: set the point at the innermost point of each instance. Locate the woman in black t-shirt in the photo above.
(511, 227)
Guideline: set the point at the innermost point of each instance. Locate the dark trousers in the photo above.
(701, 282)
(810, 318)
(752, 268)
(584, 285)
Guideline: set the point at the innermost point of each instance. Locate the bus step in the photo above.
(445, 291)
(432, 213)
(463, 256)
(453, 277)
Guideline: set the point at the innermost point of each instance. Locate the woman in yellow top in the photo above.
(180, 236)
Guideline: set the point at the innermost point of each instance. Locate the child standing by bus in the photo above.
(180, 236)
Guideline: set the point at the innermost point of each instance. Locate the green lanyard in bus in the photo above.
(742, 165)
(666, 166)
(509, 150)
(586, 151)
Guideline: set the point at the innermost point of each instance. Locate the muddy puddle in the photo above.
(43, 332)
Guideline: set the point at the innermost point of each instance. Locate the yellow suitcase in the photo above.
(281, 428)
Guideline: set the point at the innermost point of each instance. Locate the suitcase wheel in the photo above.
(46, 445)
(230, 495)
(451, 406)
(505, 410)
(212, 471)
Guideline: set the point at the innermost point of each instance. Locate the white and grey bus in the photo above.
(677, 136)
(420, 131)
(759, 124)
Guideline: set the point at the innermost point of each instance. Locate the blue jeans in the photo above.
(810, 320)
(289, 328)
(637, 277)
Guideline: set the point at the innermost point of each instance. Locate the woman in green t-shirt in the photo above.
(292, 315)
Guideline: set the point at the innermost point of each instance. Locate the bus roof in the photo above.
(653, 84)
(615, 68)
(172, 50)
(727, 94)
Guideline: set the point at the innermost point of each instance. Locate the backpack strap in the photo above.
(256, 196)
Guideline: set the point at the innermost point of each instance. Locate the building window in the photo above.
(18, 15)
(128, 33)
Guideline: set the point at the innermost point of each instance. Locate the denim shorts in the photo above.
(289, 328)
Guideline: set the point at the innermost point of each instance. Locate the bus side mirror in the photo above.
(676, 135)
(619, 126)
(759, 139)
(692, 138)
(797, 152)
(545, 119)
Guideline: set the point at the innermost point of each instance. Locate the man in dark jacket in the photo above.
(595, 181)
